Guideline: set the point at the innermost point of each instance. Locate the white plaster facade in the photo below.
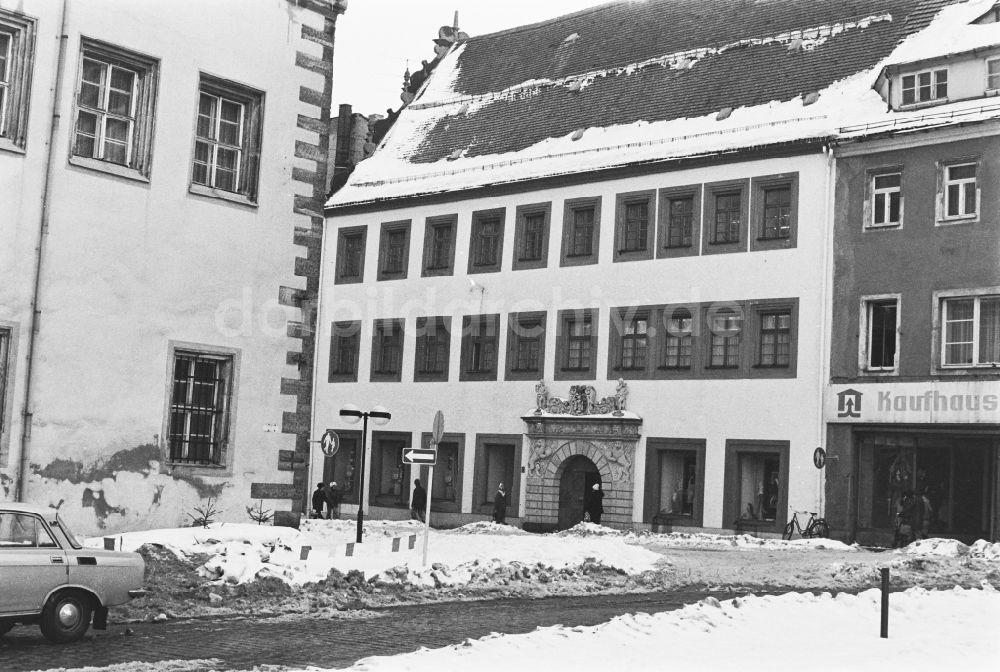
(779, 409)
(133, 267)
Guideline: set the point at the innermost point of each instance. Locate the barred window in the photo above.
(200, 407)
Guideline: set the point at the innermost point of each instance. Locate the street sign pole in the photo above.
(437, 433)
(427, 513)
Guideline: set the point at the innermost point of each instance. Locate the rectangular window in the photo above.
(394, 250)
(531, 236)
(486, 243)
(576, 344)
(351, 255)
(525, 346)
(227, 140)
(634, 229)
(971, 331)
(678, 340)
(114, 108)
(887, 199)
(439, 245)
(680, 220)
(925, 86)
(534, 237)
(726, 227)
(17, 41)
(433, 349)
(581, 231)
(200, 407)
(881, 318)
(993, 74)
(387, 350)
(674, 482)
(755, 494)
(777, 212)
(345, 341)
(726, 327)
(634, 343)
(480, 338)
(775, 340)
(960, 192)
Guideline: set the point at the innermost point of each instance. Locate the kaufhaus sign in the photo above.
(917, 403)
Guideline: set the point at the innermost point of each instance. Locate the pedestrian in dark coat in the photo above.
(593, 503)
(319, 499)
(333, 498)
(500, 506)
(419, 501)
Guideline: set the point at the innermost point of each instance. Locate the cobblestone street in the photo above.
(241, 644)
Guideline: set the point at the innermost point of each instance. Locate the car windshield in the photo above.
(69, 534)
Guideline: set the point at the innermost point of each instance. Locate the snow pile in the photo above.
(944, 630)
(488, 527)
(697, 540)
(952, 548)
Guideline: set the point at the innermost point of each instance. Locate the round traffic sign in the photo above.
(438, 432)
(330, 443)
(819, 458)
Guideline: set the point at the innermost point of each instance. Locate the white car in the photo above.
(47, 577)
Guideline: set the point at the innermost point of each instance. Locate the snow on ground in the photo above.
(241, 553)
(940, 630)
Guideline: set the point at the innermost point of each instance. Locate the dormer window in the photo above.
(925, 86)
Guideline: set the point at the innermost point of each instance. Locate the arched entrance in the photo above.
(579, 474)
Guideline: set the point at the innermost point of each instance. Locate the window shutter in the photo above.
(223, 417)
(253, 147)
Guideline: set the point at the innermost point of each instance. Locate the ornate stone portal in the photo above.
(602, 431)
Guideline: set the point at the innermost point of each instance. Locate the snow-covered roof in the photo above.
(634, 82)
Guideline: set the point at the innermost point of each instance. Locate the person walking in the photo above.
(500, 505)
(333, 498)
(593, 503)
(319, 499)
(419, 501)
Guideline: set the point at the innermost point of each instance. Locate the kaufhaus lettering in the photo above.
(935, 401)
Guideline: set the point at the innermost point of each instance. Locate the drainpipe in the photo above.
(826, 289)
(43, 232)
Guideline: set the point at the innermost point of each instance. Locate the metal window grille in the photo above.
(727, 218)
(777, 212)
(582, 232)
(775, 339)
(887, 194)
(634, 344)
(199, 408)
(534, 236)
(635, 227)
(578, 344)
(487, 243)
(725, 342)
(106, 111)
(882, 334)
(220, 142)
(680, 217)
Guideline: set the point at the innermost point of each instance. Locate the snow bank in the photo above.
(944, 630)
(952, 549)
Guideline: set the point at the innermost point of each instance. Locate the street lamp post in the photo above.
(351, 414)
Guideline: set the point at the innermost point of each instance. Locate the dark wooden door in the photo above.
(572, 487)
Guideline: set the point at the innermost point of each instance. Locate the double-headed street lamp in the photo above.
(351, 414)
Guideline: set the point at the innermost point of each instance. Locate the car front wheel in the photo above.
(66, 616)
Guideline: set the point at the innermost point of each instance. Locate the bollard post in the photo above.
(884, 632)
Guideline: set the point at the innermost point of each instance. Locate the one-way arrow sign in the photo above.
(419, 456)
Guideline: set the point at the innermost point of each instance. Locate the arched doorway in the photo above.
(578, 475)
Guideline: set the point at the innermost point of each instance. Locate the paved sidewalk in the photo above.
(240, 644)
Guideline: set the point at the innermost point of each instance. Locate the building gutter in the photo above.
(43, 232)
(826, 301)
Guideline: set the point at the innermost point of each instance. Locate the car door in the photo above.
(31, 563)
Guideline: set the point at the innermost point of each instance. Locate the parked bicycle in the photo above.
(815, 527)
